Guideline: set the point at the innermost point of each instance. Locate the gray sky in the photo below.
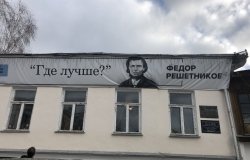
(141, 26)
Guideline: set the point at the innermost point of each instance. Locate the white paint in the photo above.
(100, 119)
(245, 150)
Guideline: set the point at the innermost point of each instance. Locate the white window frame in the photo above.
(20, 116)
(127, 105)
(73, 104)
(181, 107)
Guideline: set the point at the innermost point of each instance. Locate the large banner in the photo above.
(186, 73)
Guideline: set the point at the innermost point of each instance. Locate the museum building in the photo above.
(118, 106)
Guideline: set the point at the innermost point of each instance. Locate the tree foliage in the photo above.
(17, 27)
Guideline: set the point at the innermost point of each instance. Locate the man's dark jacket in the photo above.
(143, 83)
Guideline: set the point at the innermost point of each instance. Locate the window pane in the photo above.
(246, 118)
(175, 120)
(247, 128)
(14, 116)
(208, 112)
(188, 120)
(180, 98)
(133, 119)
(244, 98)
(128, 97)
(78, 118)
(25, 123)
(67, 109)
(245, 108)
(75, 96)
(121, 118)
(25, 95)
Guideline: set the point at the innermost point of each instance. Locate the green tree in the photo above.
(17, 27)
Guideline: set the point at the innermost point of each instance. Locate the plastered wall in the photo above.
(99, 124)
(245, 150)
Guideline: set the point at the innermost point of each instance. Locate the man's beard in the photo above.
(136, 77)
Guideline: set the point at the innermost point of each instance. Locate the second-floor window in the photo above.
(128, 112)
(182, 113)
(244, 104)
(73, 110)
(21, 109)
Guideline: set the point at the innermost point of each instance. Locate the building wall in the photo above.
(245, 148)
(100, 124)
(239, 85)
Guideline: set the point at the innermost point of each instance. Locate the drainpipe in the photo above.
(230, 114)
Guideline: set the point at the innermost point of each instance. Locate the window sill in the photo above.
(14, 131)
(243, 138)
(70, 132)
(127, 134)
(183, 136)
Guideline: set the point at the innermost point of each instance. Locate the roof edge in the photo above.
(239, 55)
(239, 59)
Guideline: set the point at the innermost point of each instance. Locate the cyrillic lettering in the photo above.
(70, 72)
(196, 76)
(53, 71)
(175, 67)
(78, 71)
(180, 76)
(219, 75)
(96, 72)
(168, 75)
(170, 68)
(193, 67)
(38, 69)
(87, 71)
(187, 68)
(207, 75)
(64, 70)
(182, 68)
(214, 75)
(46, 72)
(202, 75)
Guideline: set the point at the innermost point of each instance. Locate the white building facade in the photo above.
(69, 112)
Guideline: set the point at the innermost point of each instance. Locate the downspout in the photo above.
(230, 113)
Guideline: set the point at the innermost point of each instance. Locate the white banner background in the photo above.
(210, 73)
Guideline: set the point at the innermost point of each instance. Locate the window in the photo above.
(73, 110)
(182, 113)
(128, 112)
(244, 103)
(21, 109)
